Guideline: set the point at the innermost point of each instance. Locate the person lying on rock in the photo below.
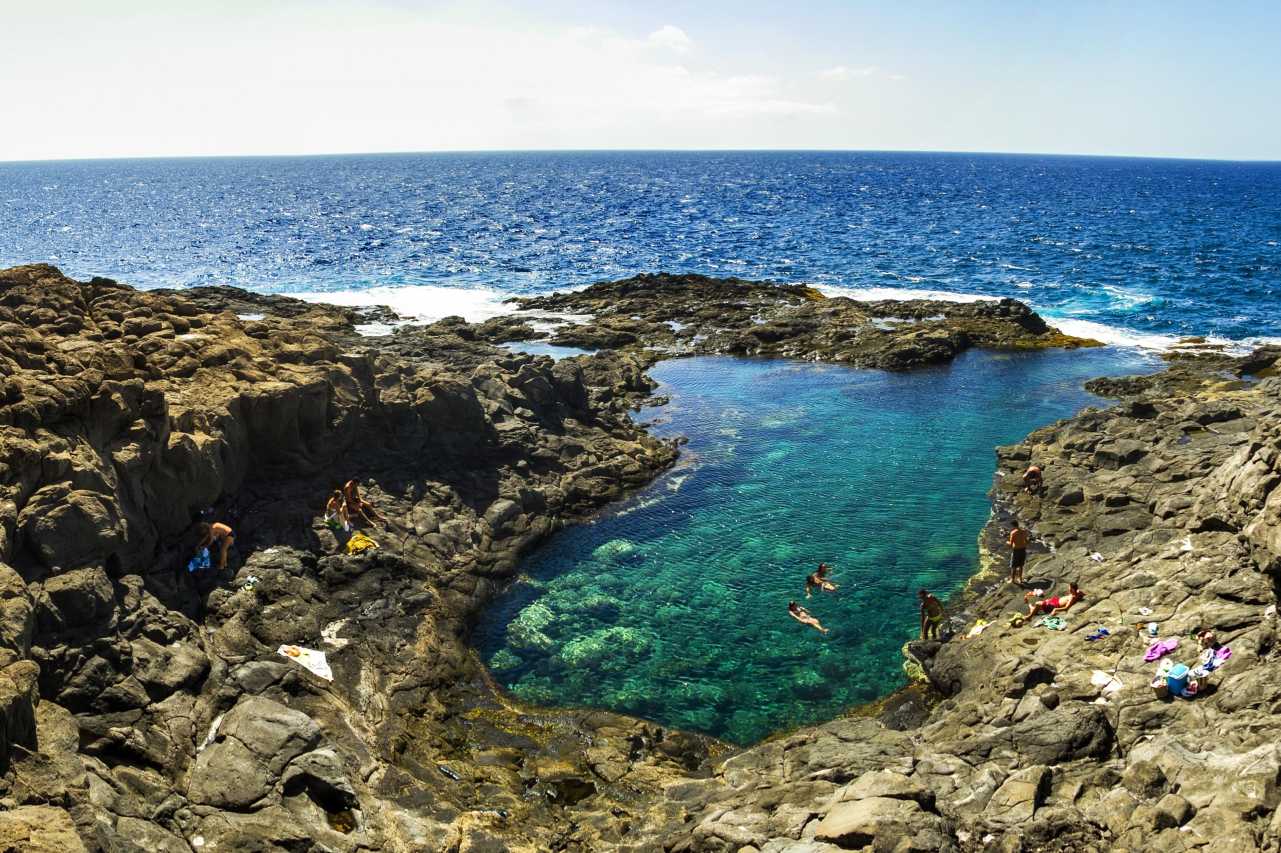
(216, 535)
(1053, 606)
(931, 615)
(336, 510)
(358, 506)
(800, 614)
(1032, 479)
(818, 580)
(1018, 552)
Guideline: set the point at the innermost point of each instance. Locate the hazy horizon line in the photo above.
(456, 151)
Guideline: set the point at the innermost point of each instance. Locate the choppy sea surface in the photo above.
(1144, 247)
(673, 606)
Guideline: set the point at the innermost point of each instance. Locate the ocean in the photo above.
(1131, 251)
(673, 604)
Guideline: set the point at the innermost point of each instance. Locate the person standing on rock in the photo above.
(1018, 552)
(216, 535)
(931, 615)
(800, 614)
(358, 506)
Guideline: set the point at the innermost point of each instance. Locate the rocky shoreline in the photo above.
(144, 708)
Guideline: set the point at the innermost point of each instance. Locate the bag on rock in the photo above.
(359, 543)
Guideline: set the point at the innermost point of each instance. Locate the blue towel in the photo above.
(200, 561)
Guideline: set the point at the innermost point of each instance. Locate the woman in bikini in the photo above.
(216, 534)
(818, 580)
(800, 614)
(1056, 605)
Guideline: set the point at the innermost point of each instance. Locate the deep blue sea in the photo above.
(673, 606)
(1163, 247)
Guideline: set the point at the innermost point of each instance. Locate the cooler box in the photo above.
(1177, 680)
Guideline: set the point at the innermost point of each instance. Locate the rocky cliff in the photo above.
(145, 707)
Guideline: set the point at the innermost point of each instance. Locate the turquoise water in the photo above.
(673, 606)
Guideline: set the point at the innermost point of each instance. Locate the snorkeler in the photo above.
(800, 614)
(818, 580)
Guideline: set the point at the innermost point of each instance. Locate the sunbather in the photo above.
(1053, 606)
(358, 506)
(1032, 480)
(216, 535)
(818, 580)
(800, 614)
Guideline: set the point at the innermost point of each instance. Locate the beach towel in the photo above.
(1161, 647)
(311, 659)
(977, 629)
(200, 561)
(1099, 633)
(1109, 683)
(1054, 623)
(359, 543)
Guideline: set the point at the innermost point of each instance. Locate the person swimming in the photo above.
(800, 614)
(818, 580)
(1053, 606)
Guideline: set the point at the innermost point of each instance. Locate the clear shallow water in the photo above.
(1155, 246)
(674, 606)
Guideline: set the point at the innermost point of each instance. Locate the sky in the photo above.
(87, 78)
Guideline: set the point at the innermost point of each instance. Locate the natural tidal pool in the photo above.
(673, 606)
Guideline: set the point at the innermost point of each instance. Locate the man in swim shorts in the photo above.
(931, 615)
(1018, 552)
(818, 580)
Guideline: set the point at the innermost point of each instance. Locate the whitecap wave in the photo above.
(422, 302)
(875, 294)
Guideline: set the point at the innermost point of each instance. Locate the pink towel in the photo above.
(1161, 647)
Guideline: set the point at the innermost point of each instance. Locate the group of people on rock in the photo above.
(932, 611)
(346, 504)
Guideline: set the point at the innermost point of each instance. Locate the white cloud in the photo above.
(349, 78)
(844, 72)
(671, 38)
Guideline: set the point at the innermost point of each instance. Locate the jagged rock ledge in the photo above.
(144, 709)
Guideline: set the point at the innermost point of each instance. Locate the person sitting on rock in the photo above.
(818, 580)
(1032, 479)
(216, 535)
(931, 615)
(358, 506)
(336, 511)
(1053, 606)
(800, 614)
(1018, 552)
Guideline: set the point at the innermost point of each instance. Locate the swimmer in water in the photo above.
(800, 614)
(818, 580)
